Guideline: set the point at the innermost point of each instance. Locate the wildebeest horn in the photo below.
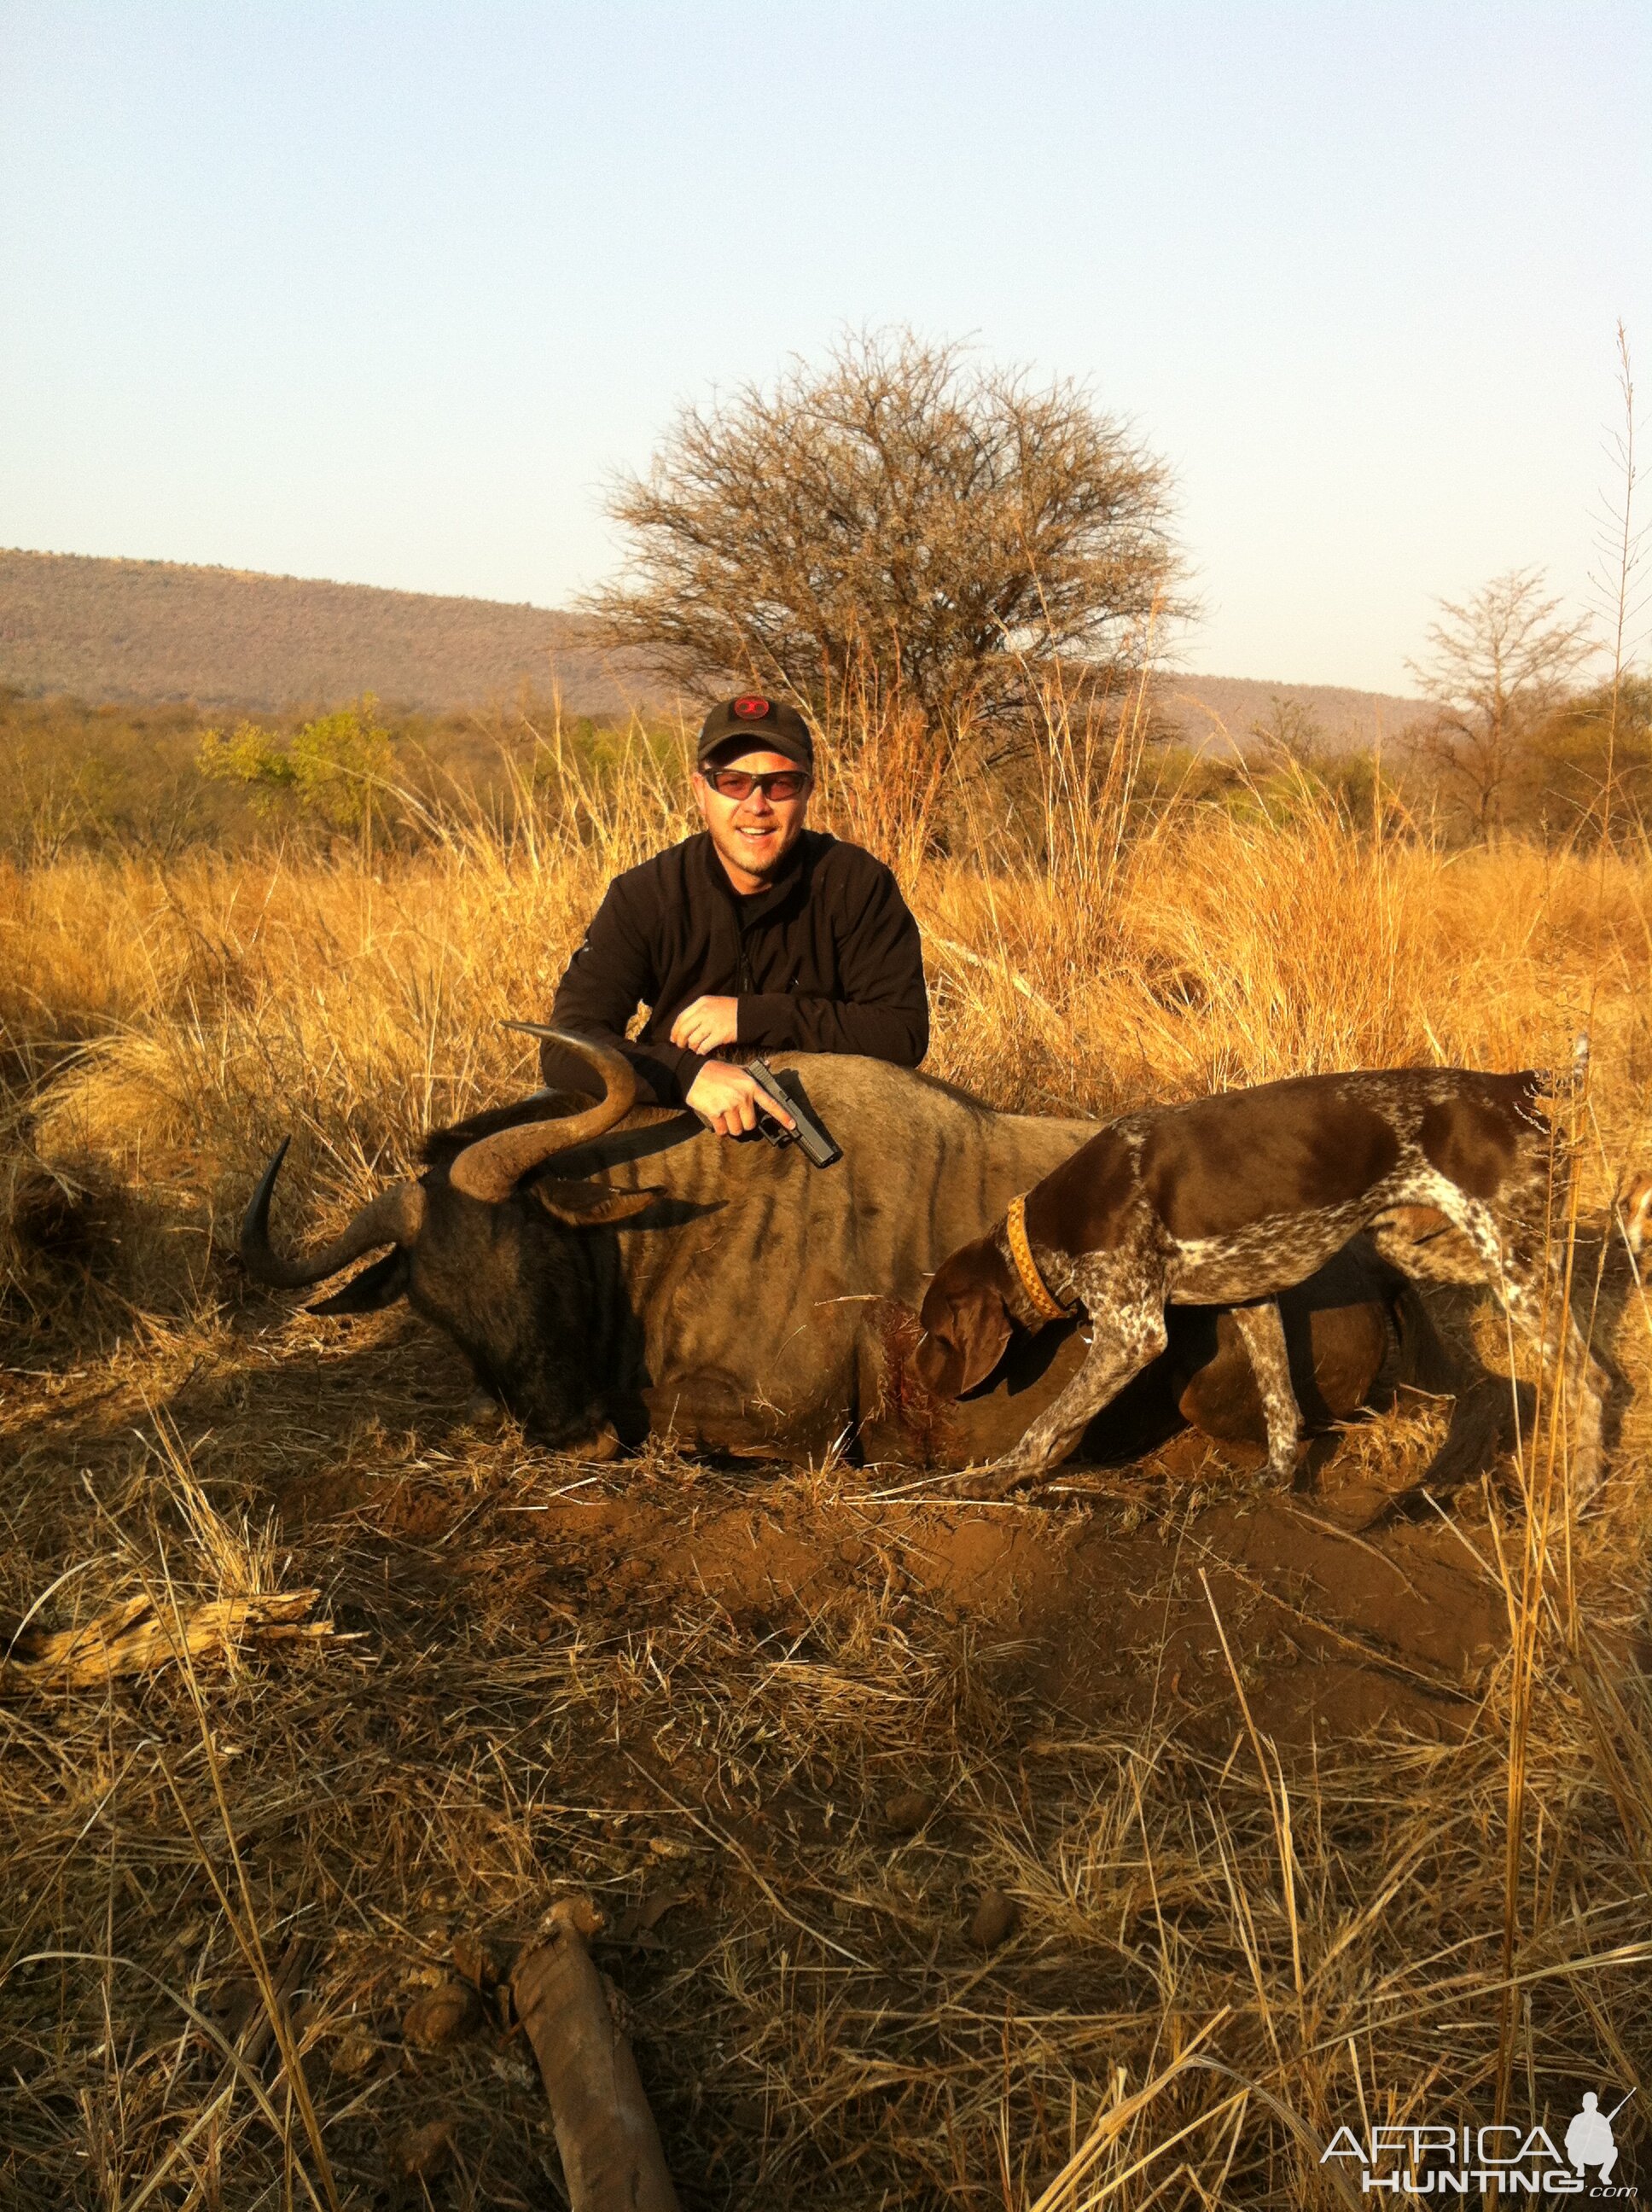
(393, 1218)
(491, 1168)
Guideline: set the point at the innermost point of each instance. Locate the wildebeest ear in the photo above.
(966, 1329)
(589, 1205)
(379, 1286)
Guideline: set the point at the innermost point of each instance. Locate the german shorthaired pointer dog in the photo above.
(1231, 1200)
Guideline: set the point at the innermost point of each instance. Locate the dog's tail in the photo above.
(1564, 1085)
(1575, 1080)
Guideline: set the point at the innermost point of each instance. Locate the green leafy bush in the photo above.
(329, 770)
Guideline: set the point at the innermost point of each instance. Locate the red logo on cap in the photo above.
(751, 709)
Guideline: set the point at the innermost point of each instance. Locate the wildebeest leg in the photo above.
(1125, 1306)
(1539, 1306)
(1263, 1332)
(1533, 1295)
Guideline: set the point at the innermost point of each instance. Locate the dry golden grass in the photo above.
(1225, 1951)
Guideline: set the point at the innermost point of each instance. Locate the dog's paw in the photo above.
(1005, 1478)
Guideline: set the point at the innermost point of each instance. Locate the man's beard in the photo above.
(768, 859)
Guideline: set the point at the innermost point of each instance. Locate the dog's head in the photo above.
(1634, 1212)
(965, 1319)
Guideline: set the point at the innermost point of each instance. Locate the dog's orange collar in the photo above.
(1014, 1224)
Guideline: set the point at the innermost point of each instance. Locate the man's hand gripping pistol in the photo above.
(819, 1147)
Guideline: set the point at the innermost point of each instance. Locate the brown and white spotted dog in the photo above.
(1231, 1200)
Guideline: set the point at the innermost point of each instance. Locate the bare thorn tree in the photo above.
(898, 521)
(1497, 665)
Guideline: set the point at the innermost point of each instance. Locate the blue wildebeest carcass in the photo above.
(615, 1272)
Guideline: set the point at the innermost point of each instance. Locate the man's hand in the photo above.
(706, 1023)
(727, 1099)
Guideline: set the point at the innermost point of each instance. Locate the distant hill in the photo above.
(148, 631)
(1232, 707)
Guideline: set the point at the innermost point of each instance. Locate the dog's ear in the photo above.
(966, 1326)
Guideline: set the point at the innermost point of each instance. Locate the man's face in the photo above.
(752, 835)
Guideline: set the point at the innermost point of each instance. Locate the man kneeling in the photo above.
(755, 935)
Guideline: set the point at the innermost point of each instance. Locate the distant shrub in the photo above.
(1582, 748)
(79, 777)
(329, 770)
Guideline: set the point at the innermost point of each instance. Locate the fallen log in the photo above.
(141, 1635)
(606, 2133)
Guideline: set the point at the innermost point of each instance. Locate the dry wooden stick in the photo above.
(606, 2133)
(136, 1636)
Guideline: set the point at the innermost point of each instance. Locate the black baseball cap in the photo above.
(757, 724)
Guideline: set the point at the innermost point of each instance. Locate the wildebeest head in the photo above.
(965, 1318)
(506, 1267)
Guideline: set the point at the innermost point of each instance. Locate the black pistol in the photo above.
(819, 1148)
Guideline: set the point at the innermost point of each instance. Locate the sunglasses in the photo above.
(736, 783)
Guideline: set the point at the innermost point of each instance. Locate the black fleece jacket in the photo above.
(826, 959)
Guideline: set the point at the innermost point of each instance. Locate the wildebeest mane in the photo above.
(956, 1091)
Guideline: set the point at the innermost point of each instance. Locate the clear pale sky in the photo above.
(381, 293)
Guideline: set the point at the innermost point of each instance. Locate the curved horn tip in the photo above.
(272, 1165)
(489, 1168)
(395, 1217)
(257, 1215)
(614, 1064)
(277, 1159)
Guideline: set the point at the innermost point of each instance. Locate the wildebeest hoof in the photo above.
(1588, 1480)
(598, 1448)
